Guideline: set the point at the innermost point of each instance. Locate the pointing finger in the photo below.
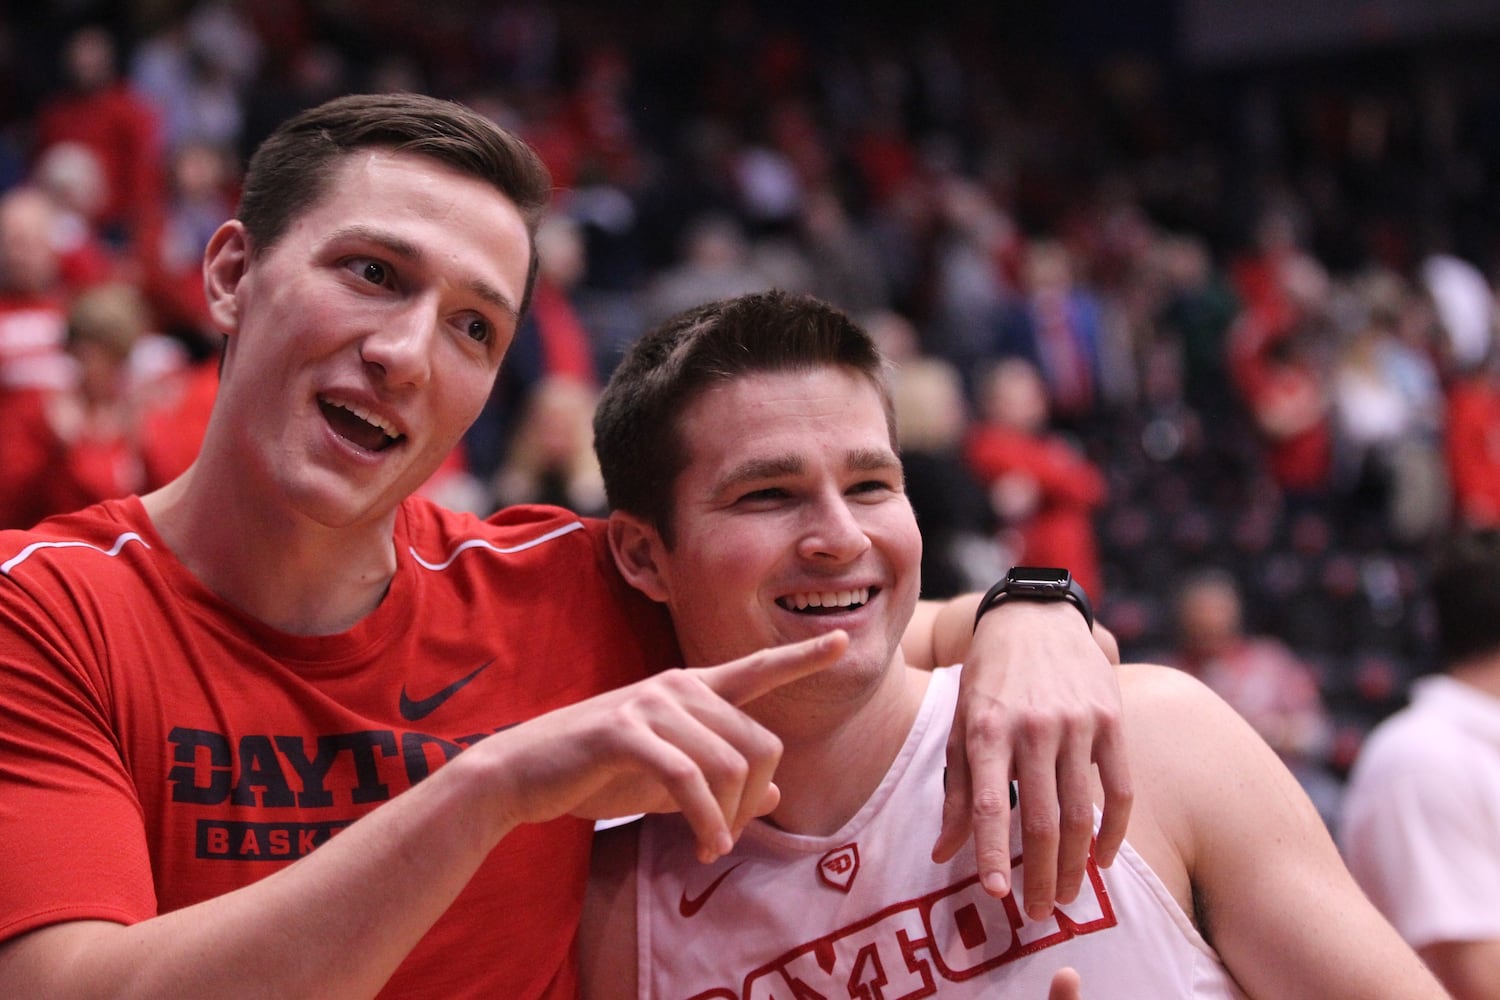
(743, 680)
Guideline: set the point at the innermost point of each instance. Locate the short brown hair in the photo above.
(636, 433)
(1466, 595)
(289, 171)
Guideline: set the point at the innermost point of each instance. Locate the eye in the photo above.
(768, 494)
(372, 271)
(874, 487)
(480, 330)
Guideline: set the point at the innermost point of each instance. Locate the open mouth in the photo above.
(357, 426)
(826, 602)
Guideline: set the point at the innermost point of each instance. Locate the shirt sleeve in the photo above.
(71, 826)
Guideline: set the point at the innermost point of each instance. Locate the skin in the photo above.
(1217, 816)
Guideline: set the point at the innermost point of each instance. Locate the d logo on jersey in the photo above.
(838, 867)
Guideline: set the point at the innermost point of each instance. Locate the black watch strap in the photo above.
(1037, 583)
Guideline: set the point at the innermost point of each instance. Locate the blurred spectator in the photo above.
(1196, 313)
(1043, 491)
(716, 263)
(1259, 676)
(1422, 815)
(194, 70)
(69, 173)
(552, 342)
(959, 554)
(1466, 309)
(177, 397)
(105, 114)
(65, 448)
(202, 187)
(1277, 360)
(32, 297)
(551, 458)
(974, 263)
(1057, 326)
(844, 262)
(1388, 411)
(1472, 443)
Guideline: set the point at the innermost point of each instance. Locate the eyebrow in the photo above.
(757, 469)
(407, 250)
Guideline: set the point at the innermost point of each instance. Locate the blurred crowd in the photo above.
(1221, 341)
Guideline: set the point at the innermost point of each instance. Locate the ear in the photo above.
(225, 261)
(638, 551)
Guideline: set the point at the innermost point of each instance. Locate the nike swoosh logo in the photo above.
(415, 710)
(688, 907)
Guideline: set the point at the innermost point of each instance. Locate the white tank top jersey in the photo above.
(866, 913)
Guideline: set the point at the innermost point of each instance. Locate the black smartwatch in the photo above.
(1037, 583)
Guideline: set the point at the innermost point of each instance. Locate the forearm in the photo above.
(334, 925)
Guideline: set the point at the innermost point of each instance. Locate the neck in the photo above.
(856, 745)
(1482, 672)
(275, 565)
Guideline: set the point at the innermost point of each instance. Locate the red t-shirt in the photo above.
(158, 747)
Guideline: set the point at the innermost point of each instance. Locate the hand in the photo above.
(1066, 985)
(676, 741)
(1039, 702)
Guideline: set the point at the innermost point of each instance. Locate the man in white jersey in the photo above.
(748, 451)
(1421, 820)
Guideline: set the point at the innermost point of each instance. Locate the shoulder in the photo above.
(520, 533)
(545, 562)
(1403, 754)
(1156, 692)
(1195, 760)
(96, 540)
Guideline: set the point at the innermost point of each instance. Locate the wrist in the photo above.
(1037, 584)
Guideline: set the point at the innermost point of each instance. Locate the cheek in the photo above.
(721, 573)
(465, 389)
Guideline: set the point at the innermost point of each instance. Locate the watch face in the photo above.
(1039, 577)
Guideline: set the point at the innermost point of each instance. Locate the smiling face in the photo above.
(366, 339)
(790, 519)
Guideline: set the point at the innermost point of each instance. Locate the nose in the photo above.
(401, 347)
(833, 533)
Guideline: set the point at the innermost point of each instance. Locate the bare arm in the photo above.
(1279, 906)
(1039, 702)
(1469, 969)
(328, 920)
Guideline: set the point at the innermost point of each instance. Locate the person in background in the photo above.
(1259, 676)
(1471, 443)
(1421, 819)
(101, 110)
(1043, 490)
(551, 456)
(932, 417)
(1056, 323)
(33, 298)
(749, 452)
(65, 448)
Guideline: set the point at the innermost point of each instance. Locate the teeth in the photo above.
(366, 416)
(827, 599)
